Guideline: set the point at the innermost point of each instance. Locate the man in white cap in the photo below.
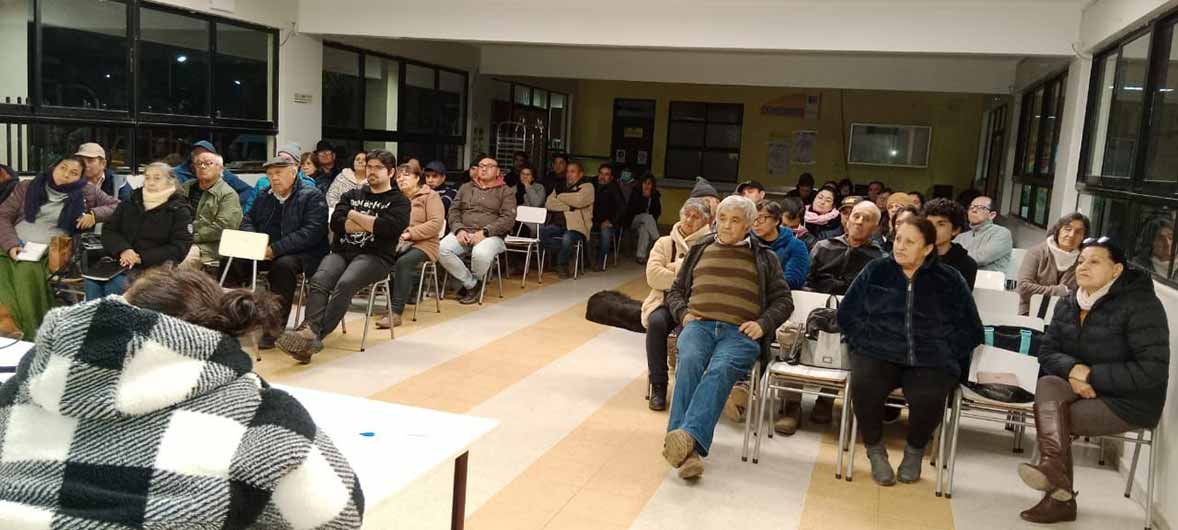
(98, 174)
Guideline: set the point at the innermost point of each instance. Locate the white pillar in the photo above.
(300, 72)
(1064, 197)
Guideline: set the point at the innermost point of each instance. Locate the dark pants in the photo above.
(1090, 417)
(658, 328)
(607, 236)
(925, 390)
(283, 278)
(335, 283)
(404, 276)
(558, 239)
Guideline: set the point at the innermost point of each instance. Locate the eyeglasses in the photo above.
(488, 166)
(205, 164)
(764, 219)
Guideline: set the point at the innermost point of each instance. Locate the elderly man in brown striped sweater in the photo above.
(730, 295)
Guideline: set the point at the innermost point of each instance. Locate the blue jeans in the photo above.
(607, 237)
(557, 238)
(713, 356)
(97, 289)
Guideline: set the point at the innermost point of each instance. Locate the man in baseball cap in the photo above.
(97, 173)
(752, 190)
(328, 170)
(186, 172)
(435, 177)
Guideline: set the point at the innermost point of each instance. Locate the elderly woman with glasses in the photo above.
(1106, 355)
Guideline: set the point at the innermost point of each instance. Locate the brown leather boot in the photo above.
(1053, 434)
(1050, 511)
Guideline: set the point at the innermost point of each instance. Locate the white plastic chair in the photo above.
(532, 217)
(429, 267)
(990, 280)
(239, 244)
(996, 302)
(1037, 303)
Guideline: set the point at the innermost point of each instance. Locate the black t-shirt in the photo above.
(391, 209)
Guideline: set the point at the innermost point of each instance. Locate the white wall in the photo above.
(1016, 27)
(987, 75)
(14, 50)
(451, 54)
(1104, 20)
(300, 71)
(274, 13)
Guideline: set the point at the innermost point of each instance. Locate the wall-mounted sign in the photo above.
(633, 132)
(620, 156)
(795, 106)
(302, 98)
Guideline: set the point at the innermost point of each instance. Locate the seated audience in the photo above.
(59, 202)
(790, 251)
(1154, 248)
(1049, 268)
(519, 160)
(294, 215)
(917, 199)
(874, 188)
(481, 215)
(987, 243)
(751, 190)
(435, 177)
(804, 190)
(835, 262)
(792, 214)
(881, 200)
(665, 258)
(99, 175)
(910, 323)
(1106, 358)
(419, 242)
(730, 296)
(704, 189)
(327, 166)
(894, 218)
(642, 216)
(948, 218)
(215, 208)
(150, 406)
(529, 192)
(349, 179)
(292, 152)
(846, 188)
(609, 206)
(822, 218)
(188, 171)
(151, 228)
(555, 178)
(8, 181)
(899, 200)
(366, 226)
(571, 216)
(309, 166)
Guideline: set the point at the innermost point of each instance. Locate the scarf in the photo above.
(1063, 259)
(813, 217)
(1160, 266)
(152, 201)
(1086, 301)
(478, 183)
(75, 201)
(800, 231)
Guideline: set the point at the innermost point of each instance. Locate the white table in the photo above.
(391, 446)
(10, 356)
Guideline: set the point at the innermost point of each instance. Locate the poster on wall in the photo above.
(642, 158)
(620, 156)
(803, 147)
(777, 157)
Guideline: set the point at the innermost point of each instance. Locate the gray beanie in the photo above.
(703, 188)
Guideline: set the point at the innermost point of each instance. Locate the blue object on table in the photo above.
(368, 434)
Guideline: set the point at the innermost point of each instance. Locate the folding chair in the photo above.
(896, 400)
(429, 267)
(496, 266)
(993, 280)
(387, 284)
(996, 302)
(528, 216)
(1046, 312)
(239, 244)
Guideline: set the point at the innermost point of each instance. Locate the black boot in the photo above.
(472, 295)
(658, 397)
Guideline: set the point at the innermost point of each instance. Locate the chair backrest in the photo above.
(1010, 319)
(531, 214)
(243, 245)
(442, 234)
(805, 302)
(1037, 303)
(992, 359)
(1016, 262)
(995, 301)
(993, 280)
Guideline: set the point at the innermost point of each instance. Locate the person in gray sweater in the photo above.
(987, 243)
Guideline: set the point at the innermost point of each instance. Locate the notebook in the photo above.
(31, 251)
(104, 270)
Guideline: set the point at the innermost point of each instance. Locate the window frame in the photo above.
(703, 147)
(1038, 180)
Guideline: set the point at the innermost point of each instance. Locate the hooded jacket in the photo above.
(304, 223)
(666, 256)
(491, 208)
(929, 321)
(245, 194)
(159, 235)
(576, 203)
(1125, 340)
(791, 251)
(427, 217)
(959, 259)
(834, 264)
(125, 418)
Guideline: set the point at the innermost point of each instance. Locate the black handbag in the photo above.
(1014, 338)
(1001, 392)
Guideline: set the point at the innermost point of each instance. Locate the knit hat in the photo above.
(703, 188)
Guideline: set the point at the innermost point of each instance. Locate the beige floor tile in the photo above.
(606, 505)
(576, 521)
(832, 519)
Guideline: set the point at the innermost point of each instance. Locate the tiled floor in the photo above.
(577, 448)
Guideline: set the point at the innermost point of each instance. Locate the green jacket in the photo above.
(219, 209)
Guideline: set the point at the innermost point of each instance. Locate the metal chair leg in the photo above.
(367, 316)
(953, 443)
(523, 283)
(850, 475)
(437, 290)
(1149, 481)
(754, 387)
(1133, 466)
(388, 303)
(844, 426)
(420, 290)
(763, 410)
(499, 275)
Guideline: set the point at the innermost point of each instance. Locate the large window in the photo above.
(372, 100)
(1038, 141)
(1130, 151)
(530, 117)
(193, 77)
(703, 140)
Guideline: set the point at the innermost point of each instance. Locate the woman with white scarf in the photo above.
(1049, 268)
(1106, 358)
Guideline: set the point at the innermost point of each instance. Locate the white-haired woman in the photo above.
(730, 295)
(153, 227)
(695, 223)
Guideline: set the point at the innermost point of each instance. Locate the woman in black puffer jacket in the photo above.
(910, 322)
(1107, 356)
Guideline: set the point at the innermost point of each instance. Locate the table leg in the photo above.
(458, 511)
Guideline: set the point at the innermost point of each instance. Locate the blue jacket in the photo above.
(112, 181)
(304, 223)
(791, 251)
(264, 184)
(930, 322)
(245, 193)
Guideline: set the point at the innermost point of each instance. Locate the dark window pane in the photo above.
(381, 77)
(49, 143)
(341, 88)
(451, 95)
(243, 73)
(1042, 199)
(631, 108)
(419, 76)
(1024, 202)
(170, 145)
(1104, 74)
(15, 26)
(174, 60)
(245, 152)
(723, 136)
(1162, 161)
(85, 50)
(540, 98)
(1154, 248)
(1125, 117)
(725, 113)
(523, 95)
(689, 111)
(686, 134)
(721, 167)
(1048, 121)
(451, 155)
(424, 152)
(417, 114)
(1031, 140)
(682, 163)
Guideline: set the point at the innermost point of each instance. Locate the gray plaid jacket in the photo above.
(124, 419)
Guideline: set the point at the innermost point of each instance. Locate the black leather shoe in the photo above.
(471, 296)
(658, 398)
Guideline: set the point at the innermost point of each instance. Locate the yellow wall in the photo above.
(956, 120)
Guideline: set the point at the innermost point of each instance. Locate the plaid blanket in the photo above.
(122, 418)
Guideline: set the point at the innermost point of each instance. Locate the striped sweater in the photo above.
(726, 287)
